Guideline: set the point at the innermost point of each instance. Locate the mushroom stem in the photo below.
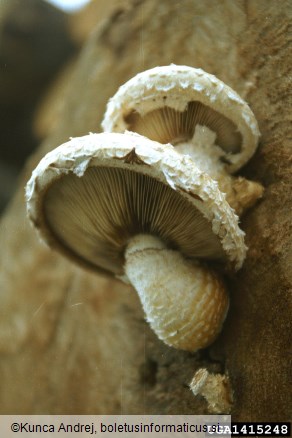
(184, 302)
(241, 193)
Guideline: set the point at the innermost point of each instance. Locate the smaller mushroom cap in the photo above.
(91, 195)
(166, 104)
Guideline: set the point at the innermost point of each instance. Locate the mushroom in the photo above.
(199, 115)
(127, 206)
(215, 388)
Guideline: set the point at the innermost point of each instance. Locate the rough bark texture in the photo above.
(73, 342)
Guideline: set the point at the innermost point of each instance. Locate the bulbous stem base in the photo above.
(185, 303)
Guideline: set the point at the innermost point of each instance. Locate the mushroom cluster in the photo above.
(126, 205)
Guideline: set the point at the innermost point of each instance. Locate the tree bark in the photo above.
(72, 342)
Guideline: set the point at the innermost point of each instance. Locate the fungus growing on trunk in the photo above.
(127, 206)
(199, 115)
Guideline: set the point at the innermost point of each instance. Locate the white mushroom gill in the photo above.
(189, 138)
(185, 303)
(202, 142)
(199, 115)
(170, 125)
(129, 207)
(95, 216)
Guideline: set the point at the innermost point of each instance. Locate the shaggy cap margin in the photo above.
(175, 86)
(160, 162)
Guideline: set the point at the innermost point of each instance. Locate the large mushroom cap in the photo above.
(91, 195)
(166, 103)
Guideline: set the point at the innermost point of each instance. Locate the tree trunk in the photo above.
(72, 342)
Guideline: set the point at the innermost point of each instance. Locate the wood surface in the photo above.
(72, 342)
